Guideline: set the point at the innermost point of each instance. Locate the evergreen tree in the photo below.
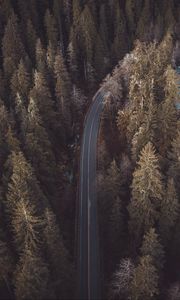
(76, 11)
(104, 26)
(58, 256)
(39, 149)
(31, 39)
(26, 223)
(100, 58)
(145, 280)
(12, 47)
(164, 53)
(122, 279)
(21, 81)
(174, 169)
(6, 264)
(58, 9)
(169, 211)
(145, 22)
(2, 85)
(167, 120)
(31, 277)
(116, 229)
(120, 43)
(147, 192)
(23, 187)
(62, 89)
(146, 131)
(89, 36)
(51, 29)
(151, 246)
(112, 183)
(79, 102)
(130, 14)
(43, 99)
(73, 55)
(41, 59)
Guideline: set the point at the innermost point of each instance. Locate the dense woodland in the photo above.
(139, 177)
(53, 56)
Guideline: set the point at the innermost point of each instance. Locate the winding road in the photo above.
(88, 256)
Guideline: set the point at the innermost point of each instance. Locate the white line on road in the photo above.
(89, 202)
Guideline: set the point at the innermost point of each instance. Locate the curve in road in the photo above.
(89, 269)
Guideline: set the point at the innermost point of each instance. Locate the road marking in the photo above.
(89, 202)
(81, 202)
(92, 111)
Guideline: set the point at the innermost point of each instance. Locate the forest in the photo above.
(54, 56)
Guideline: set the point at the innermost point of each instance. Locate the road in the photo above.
(89, 262)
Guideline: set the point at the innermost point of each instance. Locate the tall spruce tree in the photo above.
(58, 256)
(151, 246)
(12, 46)
(31, 277)
(145, 281)
(147, 193)
(169, 212)
(62, 89)
(174, 168)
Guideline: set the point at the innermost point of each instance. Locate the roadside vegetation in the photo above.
(139, 175)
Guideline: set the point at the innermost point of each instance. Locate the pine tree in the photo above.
(76, 12)
(26, 223)
(12, 47)
(24, 203)
(31, 39)
(169, 211)
(51, 29)
(51, 53)
(145, 281)
(164, 52)
(68, 13)
(58, 12)
(100, 58)
(58, 256)
(112, 184)
(89, 36)
(63, 88)
(6, 11)
(174, 169)
(39, 149)
(73, 56)
(104, 26)
(143, 28)
(120, 43)
(13, 143)
(146, 131)
(116, 229)
(130, 14)
(151, 246)
(31, 277)
(2, 85)
(79, 103)
(41, 59)
(21, 81)
(123, 118)
(147, 192)
(167, 124)
(122, 279)
(5, 122)
(43, 99)
(6, 264)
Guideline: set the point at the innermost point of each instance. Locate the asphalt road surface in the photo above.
(89, 261)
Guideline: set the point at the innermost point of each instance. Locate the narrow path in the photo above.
(89, 269)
